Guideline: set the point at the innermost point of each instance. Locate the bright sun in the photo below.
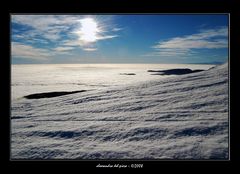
(89, 30)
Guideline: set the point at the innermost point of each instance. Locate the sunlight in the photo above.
(89, 30)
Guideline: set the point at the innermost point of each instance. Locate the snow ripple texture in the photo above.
(181, 117)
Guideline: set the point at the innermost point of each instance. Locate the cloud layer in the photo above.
(188, 45)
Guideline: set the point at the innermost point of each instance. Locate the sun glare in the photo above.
(89, 30)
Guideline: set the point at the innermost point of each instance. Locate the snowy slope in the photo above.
(181, 117)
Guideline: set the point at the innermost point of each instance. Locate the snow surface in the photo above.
(178, 117)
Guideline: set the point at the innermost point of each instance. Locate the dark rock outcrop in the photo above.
(127, 74)
(51, 94)
(174, 71)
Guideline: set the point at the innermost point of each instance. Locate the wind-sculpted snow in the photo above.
(180, 117)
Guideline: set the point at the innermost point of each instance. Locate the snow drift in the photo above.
(181, 117)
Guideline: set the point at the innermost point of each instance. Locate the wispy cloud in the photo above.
(29, 52)
(76, 43)
(61, 31)
(188, 45)
(26, 51)
(107, 37)
(48, 27)
(63, 48)
(170, 52)
(90, 49)
(117, 29)
(72, 43)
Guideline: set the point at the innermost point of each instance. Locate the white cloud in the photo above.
(29, 52)
(19, 36)
(45, 22)
(107, 37)
(73, 43)
(90, 49)
(47, 26)
(205, 39)
(63, 49)
(37, 40)
(117, 29)
(70, 43)
(171, 53)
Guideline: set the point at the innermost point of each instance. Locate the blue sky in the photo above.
(119, 38)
